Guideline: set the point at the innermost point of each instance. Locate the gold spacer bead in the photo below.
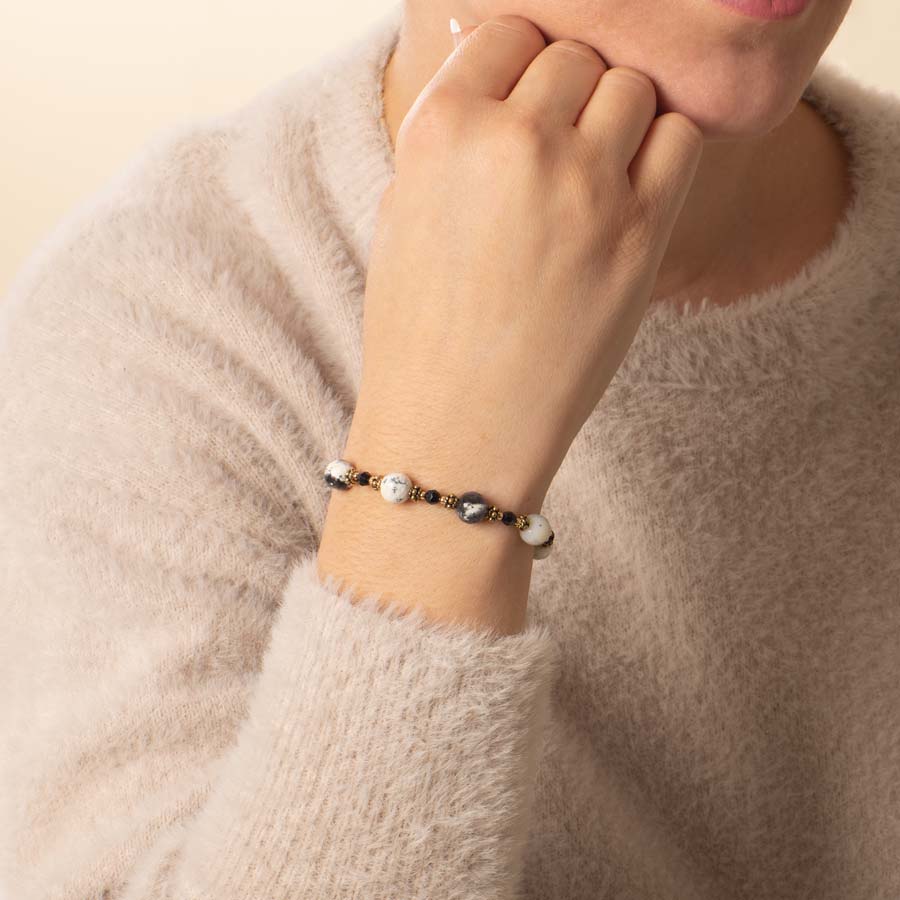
(450, 501)
(521, 522)
(494, 514)
(375, 482)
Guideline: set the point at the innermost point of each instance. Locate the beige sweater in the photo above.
(706, 701)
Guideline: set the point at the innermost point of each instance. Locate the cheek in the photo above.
(745, 84)
(737, 78)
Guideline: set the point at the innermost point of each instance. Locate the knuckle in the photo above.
(442, 100)
(507, 22)
(433, 119)
(683, 126)
(576, 47)
(626, 73)
(524, 131)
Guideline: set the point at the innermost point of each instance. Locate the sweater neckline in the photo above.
(781, 331)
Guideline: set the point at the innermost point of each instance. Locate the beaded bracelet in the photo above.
(471, 507)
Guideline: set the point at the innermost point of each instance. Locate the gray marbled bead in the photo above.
(471, 507)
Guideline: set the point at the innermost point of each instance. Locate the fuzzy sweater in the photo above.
(705, 702)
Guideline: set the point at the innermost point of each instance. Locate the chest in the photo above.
(754, 536)
(726, 593)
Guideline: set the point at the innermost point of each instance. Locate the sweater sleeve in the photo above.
(189, 711)
(382, 756)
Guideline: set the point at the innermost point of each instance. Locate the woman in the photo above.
(640, 290)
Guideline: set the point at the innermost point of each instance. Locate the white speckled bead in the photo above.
(538, 530)
(542, 552)
(336, 474)
(395, 487)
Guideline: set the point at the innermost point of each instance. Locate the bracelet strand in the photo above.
(397, 487)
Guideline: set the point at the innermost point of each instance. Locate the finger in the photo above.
(492, 57)
(664, 167)
(619, 112)
(458, 33)
(559, 82)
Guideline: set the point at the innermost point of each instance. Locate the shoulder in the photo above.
(170, 202)
(238, 237)
(151, 348)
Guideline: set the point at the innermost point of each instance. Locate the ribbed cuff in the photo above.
(384, 755)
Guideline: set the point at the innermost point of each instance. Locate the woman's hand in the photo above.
(515, 254)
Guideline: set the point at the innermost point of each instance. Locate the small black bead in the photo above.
(363, 477)
(508, 518)
(432, 496)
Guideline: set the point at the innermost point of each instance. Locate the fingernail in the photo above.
(455, 32)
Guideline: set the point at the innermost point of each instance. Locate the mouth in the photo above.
(766, 9)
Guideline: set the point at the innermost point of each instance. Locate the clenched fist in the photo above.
(515, 253)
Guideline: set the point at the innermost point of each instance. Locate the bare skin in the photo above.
(759, 208)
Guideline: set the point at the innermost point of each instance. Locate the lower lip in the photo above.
(766, 9)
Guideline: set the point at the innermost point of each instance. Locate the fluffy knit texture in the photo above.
(705, 702)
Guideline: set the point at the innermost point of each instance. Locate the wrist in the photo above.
(511, 474)
(477, 575)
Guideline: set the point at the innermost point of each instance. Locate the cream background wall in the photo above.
(85, 84)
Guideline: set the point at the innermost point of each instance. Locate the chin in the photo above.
(731, 102)
(735, 77)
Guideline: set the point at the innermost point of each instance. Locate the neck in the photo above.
(757, 209)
